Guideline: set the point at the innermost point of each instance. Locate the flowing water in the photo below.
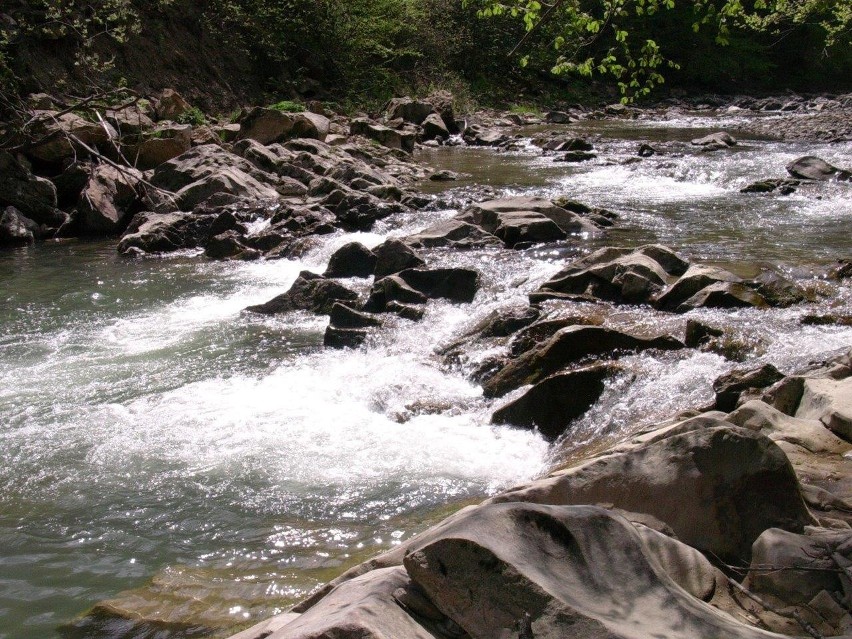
(214, 466)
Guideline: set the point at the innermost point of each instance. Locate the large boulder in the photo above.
(569, 345)
(164, 232)
(391, 290)
(551, 405)
(715, 141)
(814, 168)
(414, 111)
(830, 402)
(129, 120)
(402, 140)
(393, 256)
(209, 169)
(696, 277)
(159, 145)
(718, 487)
(731, 386)
(33, 196)
(452, 234)
(434, 128)
(57, 137)
(351, 260)
(170, 105)
(105, 204)
(310, 292)
(454, 284)
(525, 570)
(266, 125)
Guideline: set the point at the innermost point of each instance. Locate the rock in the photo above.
(351, 260)
(810, 167)
(811, 552)
(714, 141)
(310, 292)
(646, 151)
(229, 246)
(266, 125)
(525, 570)
(558, 117)
(842, 271)
(778, 291)
(475, 135)
(393, 256)
(32, 196)
(170, 105)
(830, 402)
(405, 311)
(698, 333)
(335, 337)
(455, 284)
(452, 234)
(730, 386)
(434, 128)
(442, 101)
(826, 320)
(444, 176)
(163, 143)
(616, 274)
(723, 295)
(697, 277)
(553, 403)
(164, 232)
(784, 187)
(391, 138)
(267, 627)
(342, 316)
(389, 290)
(16, 229)
(129, 120)
(542, 331)
(408, 110)
(58, 137)
(206, 170)
(568, 346)
(577, 156)
(718, 487)
(105, 204)
(358, 210)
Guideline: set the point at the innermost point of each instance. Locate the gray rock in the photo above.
(454, 234)
(33, 196)
(164, 232)
(723, 295)
(351, 260)
(391, 138)
(57, 136)
(569, 345)
(105, 204)
(814, 168)
(718, 140)
(730, 386)
(335, 337)
(342, 316)
(163, 143)
(830, 402)
(434, 128)
(393, 256)
(170, 105)
(691, 282)
(392, 289)
(550, 405)
(271, 125)
(16, 229)
(455, 284)
(408, 110)
(310, 292)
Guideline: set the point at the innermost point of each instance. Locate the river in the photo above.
(179, 459)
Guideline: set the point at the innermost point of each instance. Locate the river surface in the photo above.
(199, 467)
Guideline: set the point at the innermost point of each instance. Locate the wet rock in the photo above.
(698, 333)
(814, 168)
(392, 289)
(542, 331)
(475, 135)
(842, 271)
(507, 322)
(715, 141)
(455, 284)
(335, 337)
(569, 345)
(391, 138)
(577, 156)
(310, 292)
(351, 260)
(32, 196)
(229, 246)
(718, 488)
(164, 232)
(731, 386)
(434, 128)
(828, 319)
(778, 291)
(16, 229)
(697, 277)
(444, 176)
(393, 256)
(723, 295)
(342, 316)
(405, 311)
(551, 405)
(358, 210)
(524, 570)
(784, 187)
(616, 274)
(646, 151)
(106, 201)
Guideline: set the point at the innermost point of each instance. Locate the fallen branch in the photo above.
(807, 627)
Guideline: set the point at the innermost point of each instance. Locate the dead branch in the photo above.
(807, 627)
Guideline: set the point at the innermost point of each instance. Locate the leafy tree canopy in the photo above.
(616, 38)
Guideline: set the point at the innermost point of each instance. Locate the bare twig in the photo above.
(545, 16)
(807, 627)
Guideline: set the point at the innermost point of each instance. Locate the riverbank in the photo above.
(427, 248)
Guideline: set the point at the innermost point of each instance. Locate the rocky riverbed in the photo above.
(673, 378)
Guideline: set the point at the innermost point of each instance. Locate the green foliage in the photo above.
(193, 116)
(288, 106)
(618, 38)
